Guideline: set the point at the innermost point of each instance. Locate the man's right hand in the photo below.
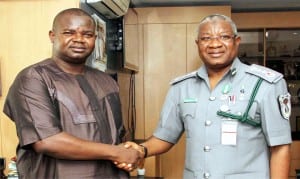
(129, 157)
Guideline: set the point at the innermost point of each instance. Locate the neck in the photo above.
(74, 69)
(215, 75)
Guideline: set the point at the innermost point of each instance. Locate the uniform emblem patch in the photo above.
(285, 105)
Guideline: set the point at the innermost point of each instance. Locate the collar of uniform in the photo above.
(202, 72)
(235, 67)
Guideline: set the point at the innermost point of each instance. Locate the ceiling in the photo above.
(236, 5)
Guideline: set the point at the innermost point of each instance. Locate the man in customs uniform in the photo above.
(235, 116)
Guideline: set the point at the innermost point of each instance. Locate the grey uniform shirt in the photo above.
(191, 107)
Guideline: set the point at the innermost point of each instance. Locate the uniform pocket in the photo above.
(187, 112)
(247, 176)
(188, 174)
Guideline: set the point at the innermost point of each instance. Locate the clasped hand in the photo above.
(133, 159)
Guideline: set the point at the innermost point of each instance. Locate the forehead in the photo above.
(215, 26)
(75, 21)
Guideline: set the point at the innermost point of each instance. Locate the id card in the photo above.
(229, 132)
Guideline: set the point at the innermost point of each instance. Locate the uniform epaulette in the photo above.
(184, 77)
(265, 73)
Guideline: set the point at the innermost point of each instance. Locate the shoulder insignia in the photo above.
(285, 105)
(265, 73)
(184, 77)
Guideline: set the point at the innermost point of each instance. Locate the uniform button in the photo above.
(208, 123)
(224, 108)
(206, 148)
(212, 98)
(206, 175)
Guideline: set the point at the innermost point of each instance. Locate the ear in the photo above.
(51, 36)
(238, 40)
(196, 41)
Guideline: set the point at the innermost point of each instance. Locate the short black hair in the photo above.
(70, 11)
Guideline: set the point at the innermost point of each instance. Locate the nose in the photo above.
(78, 37)
(215, 43)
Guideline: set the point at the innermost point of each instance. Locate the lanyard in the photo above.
(245, 118)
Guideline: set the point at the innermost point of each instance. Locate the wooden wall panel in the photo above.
(135, 55)
(124, 85)
(266, 19)
(184, 15)
(295, 159)
(132, 40)
(24, 41)
(193, 59)
(139, 90)
(164, 55)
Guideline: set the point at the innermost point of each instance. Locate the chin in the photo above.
(79, 61)
(76, 60)
(221, 65)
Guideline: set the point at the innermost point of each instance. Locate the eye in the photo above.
(205, 39)
(88, 35)
(68, 33)
(225, 37)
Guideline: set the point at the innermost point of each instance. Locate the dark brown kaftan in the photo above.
(44, 101)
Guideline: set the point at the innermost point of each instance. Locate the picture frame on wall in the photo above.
(98, 58)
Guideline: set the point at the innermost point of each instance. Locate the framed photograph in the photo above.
(98, 59)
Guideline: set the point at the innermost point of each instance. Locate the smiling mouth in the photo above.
(216, 54)
(78, 49)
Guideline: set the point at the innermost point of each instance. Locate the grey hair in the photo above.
(220, 17)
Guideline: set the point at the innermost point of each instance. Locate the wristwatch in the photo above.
(144, 149)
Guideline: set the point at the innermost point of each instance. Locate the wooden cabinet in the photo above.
(131, 41)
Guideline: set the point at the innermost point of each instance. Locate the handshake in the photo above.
(131, 156)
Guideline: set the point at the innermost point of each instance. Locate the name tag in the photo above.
(190, 100)
(229, 132)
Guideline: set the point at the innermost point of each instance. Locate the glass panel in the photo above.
(283, 42)
(283, 52)
(251, 49)
(283, 55)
